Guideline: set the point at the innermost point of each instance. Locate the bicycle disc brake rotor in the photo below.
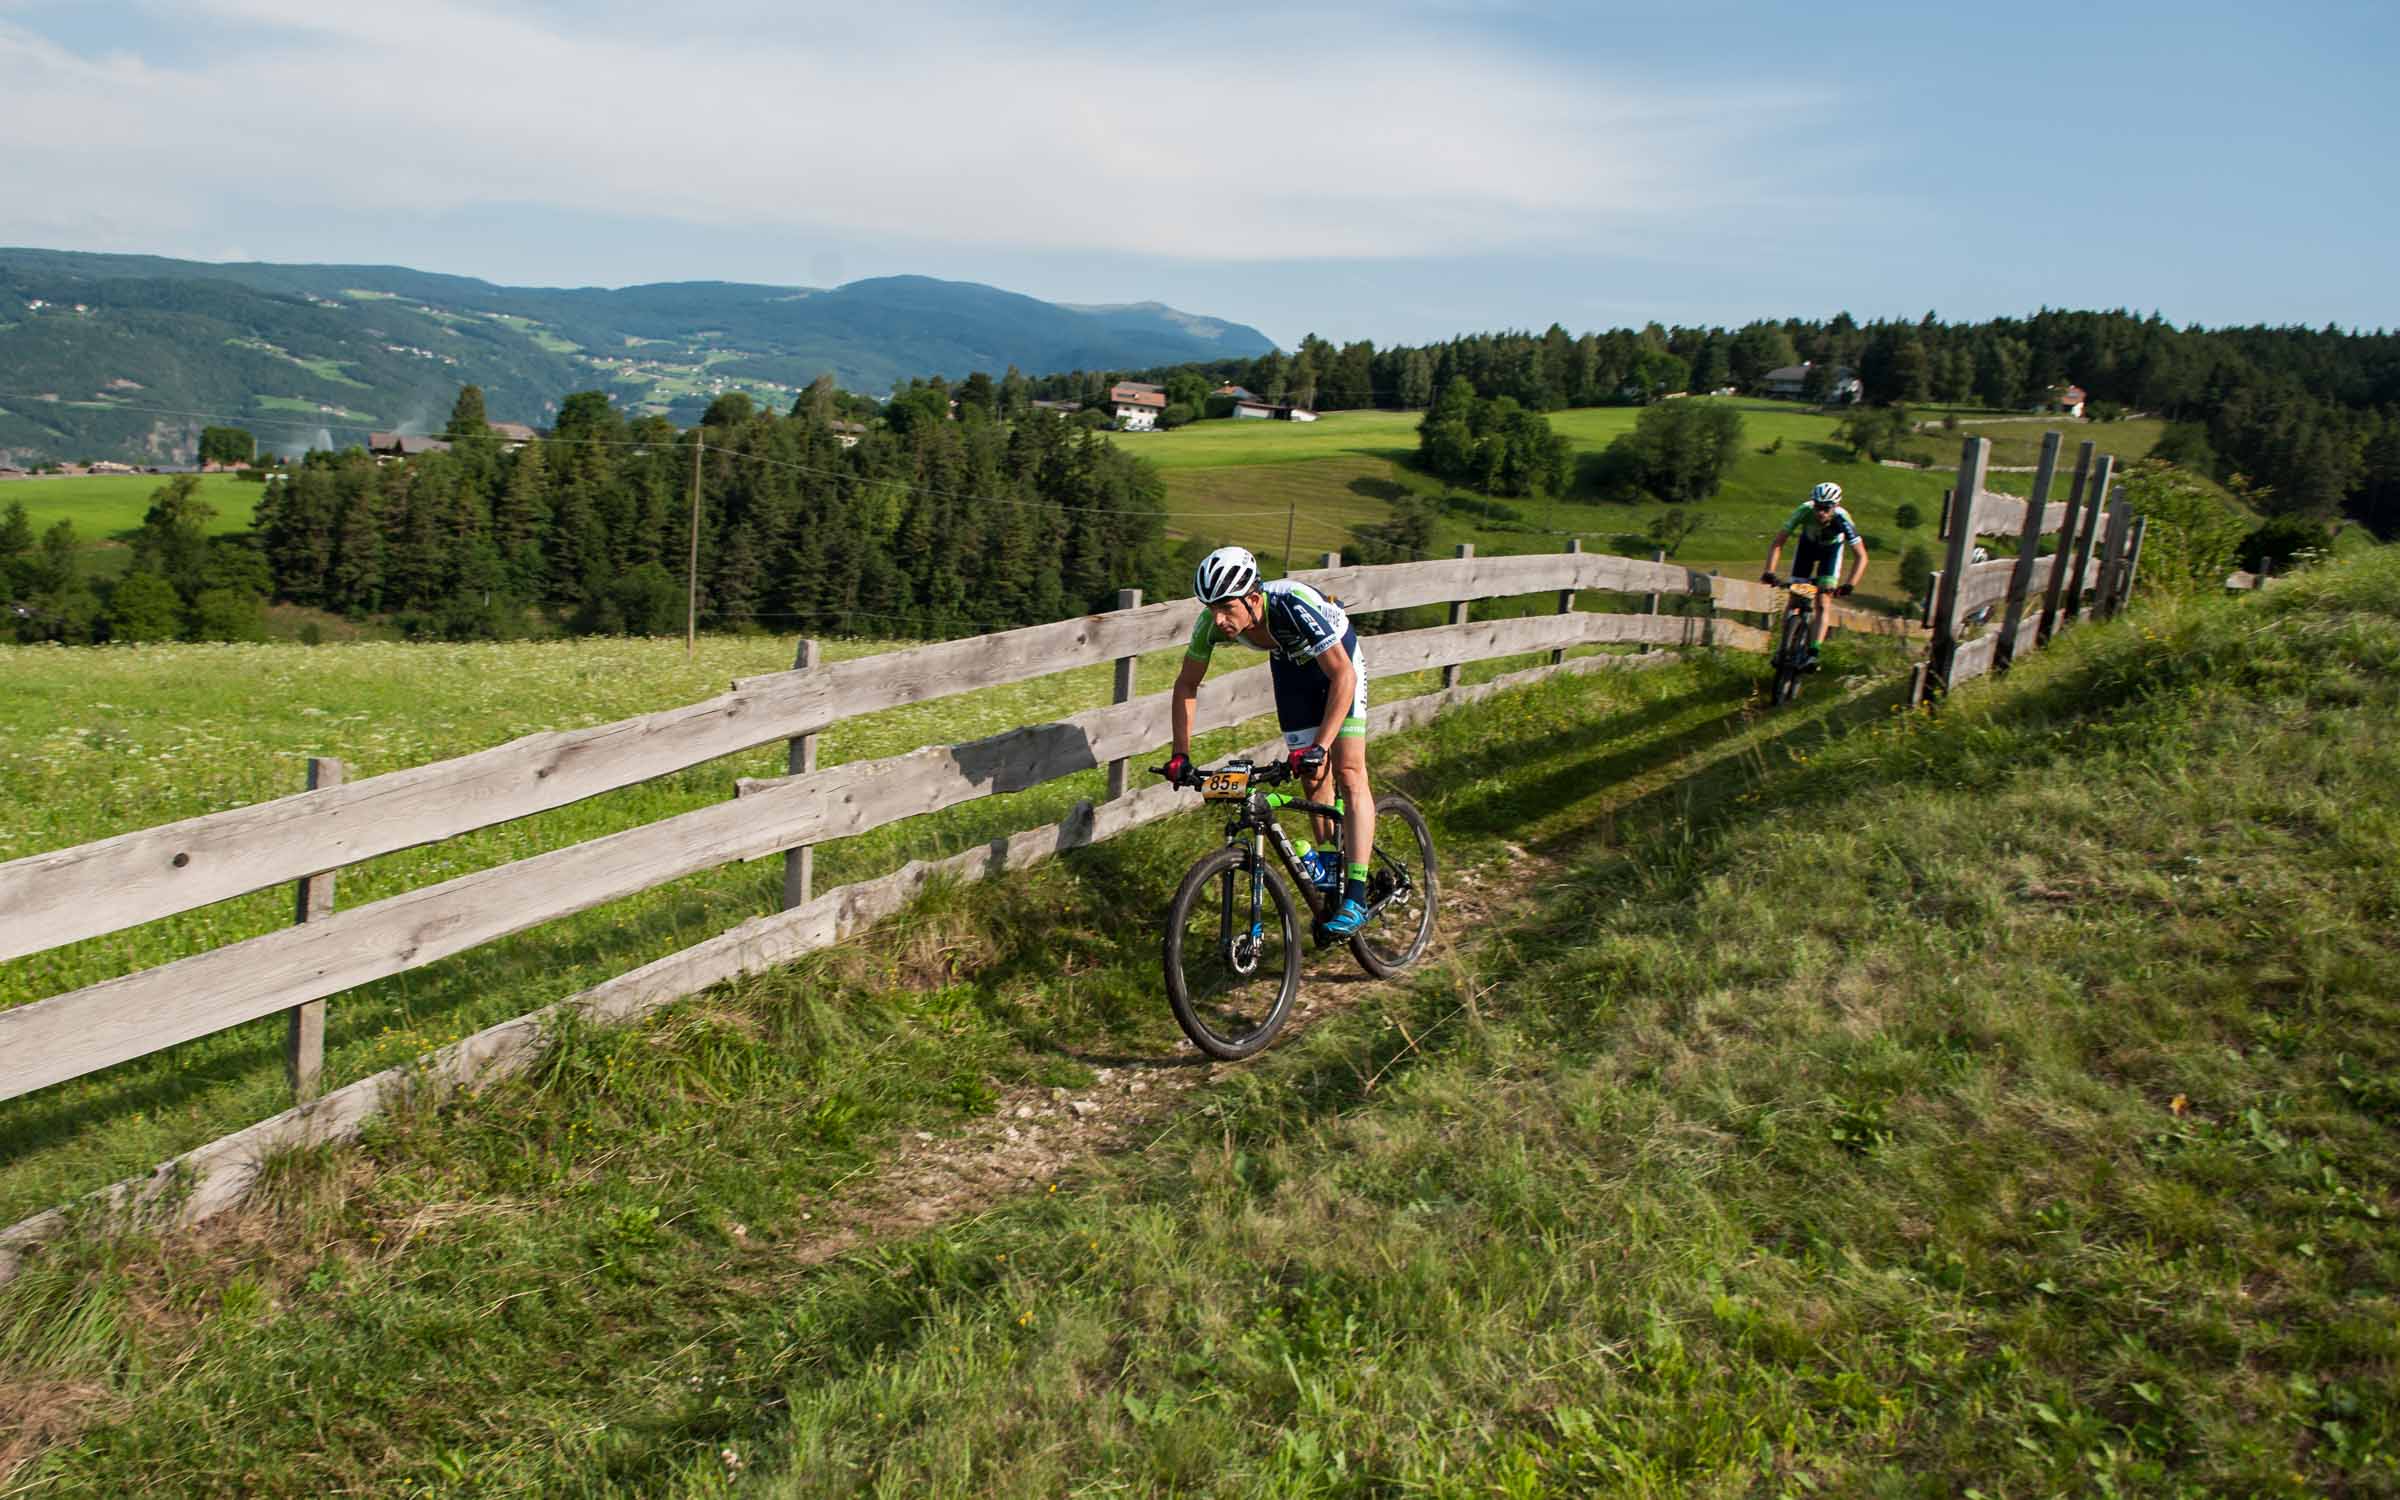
(1241, 955)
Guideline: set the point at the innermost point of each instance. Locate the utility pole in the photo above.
(691, 598)
(1291, 506)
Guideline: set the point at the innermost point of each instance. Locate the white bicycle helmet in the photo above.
(1227, 573)
(1827, 493)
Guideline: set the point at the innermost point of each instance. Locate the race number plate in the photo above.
(1226, 786)
(1804, 591)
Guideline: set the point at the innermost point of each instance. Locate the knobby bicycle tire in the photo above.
(1400, 933)
(1223, 1016)
(1787, 660)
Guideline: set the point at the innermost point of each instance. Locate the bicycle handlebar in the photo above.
(1273, 773)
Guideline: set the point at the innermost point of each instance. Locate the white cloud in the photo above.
(1284, 137)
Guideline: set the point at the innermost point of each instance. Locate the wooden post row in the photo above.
(1458, 616)
(1566, 599)
(2063, 549)
(2029, 550)
(800, 756)
(1126, 599)
(304, 1037)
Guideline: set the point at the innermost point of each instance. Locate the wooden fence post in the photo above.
(1333, 559)
(1126, 599)
(1974, 460)
(304, 1038)
(2133, 564)
(2112, 555)
(2029, 549)
(800, 758)
(1458, 616)
(1566, 599)
(2063, 549)
(1657, 555)
(2095, 501)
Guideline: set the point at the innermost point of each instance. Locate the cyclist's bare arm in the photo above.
(1342, 684)
(1775, 550)
(1179, 707)
(1858, 549)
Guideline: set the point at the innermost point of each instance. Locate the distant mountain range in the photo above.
(128, 356)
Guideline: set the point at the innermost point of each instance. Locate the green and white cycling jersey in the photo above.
(1302, 621)
(1837, 530)
(1304, 624)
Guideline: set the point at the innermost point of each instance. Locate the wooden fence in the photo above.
(48, 900)
(2035, 595)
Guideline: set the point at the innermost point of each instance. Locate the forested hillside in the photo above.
(129, 357)
(2308, 418)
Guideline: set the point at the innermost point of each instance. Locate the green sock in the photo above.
(1357, 873)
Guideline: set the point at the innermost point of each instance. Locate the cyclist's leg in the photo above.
(1300, 693)
(1349, 765)
(1823, 567)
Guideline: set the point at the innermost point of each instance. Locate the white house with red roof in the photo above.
(1137, 405)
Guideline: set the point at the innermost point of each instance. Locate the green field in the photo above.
(1232, 481)
(2003, 1102)
(111, 506)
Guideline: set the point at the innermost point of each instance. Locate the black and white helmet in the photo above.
(1227, 573)
(1827, 493)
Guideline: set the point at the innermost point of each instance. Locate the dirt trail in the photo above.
(1034, 1136)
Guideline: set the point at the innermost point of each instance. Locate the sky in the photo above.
(1398, 172)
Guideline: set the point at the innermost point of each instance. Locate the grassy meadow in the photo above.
(2004, 1102)
(1236, 481)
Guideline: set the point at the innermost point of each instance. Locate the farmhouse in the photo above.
(2067, 400)
(1257, 410)
(1789, 382)
(1137, 405)
(1238, 393)
(1059, 408)
(514, 434)
(848, 433)
(403, 445)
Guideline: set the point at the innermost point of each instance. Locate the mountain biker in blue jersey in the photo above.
(1824, 529)
(1320, 702)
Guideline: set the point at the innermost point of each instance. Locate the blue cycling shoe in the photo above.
(1348, 920)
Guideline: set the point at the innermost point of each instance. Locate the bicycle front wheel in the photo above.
(1232, 955)
(1787, 656)
(1404, 880)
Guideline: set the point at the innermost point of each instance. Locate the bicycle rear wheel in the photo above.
(1404, 872)
(1231, 976)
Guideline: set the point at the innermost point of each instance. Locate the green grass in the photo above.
(104, 506)
(2002, 1103)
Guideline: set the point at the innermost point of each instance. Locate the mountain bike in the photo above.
(1233, 933)
(1799, 628)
